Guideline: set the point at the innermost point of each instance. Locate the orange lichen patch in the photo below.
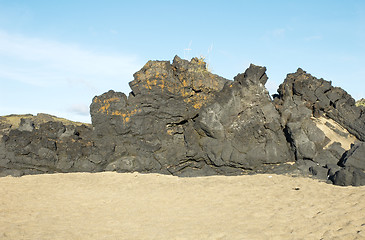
(198, 105)
(201, 61)
(197, 100)
(104, 109)
(114, 99)
(170, 132)
(193, 85)
(162, 85)
(153, 80)
(106, 104)
(200, 100)
(151, 83)
(184, 83)
(116, 113)
(127, 115)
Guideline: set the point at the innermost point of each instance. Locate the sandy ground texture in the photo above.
(152, 206)
(335, 132)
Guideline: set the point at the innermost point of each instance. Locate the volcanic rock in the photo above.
(349, 176)
(241, 127)
(321, 122)
(181, 119)
(184, 120)
(37, 146)
(355, 157)
(148, 129)
(322, 99)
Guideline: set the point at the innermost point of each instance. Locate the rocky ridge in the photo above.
(180, 119)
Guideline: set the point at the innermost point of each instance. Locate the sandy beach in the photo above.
(151, 206)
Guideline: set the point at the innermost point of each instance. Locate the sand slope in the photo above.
(135, 206)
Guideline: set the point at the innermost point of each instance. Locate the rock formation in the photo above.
(321, 122)
(44, 144)
(181, 119)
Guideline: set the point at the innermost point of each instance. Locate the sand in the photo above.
(335, 132)
(152, 206)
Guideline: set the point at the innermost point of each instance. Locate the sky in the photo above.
(55, 56)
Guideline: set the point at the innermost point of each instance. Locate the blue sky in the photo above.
(55, 56)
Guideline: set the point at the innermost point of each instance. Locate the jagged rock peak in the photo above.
(300, 71)
(253, 75)
(195, 63)
(176, 90)
(322, 99)
(189, 80)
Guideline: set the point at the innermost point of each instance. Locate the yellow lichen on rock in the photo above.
(114, 99)
(104, 109)
(128, 114)
(189, 80)
(170, 132)
(106, 105)
(116, 113)
(197, 100)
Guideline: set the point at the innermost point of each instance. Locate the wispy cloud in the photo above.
(43, 62)
(63, 77)
(80, 109)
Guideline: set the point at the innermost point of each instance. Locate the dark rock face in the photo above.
(355, 157)
(147, 130)
(321, 98)
(241, 127)
(52, 147)
(349, 176)
(181, 119)
(301, 100)
(296, 109)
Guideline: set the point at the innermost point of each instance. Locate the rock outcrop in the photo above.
(44, 144)
(321, 122)
(181, 119)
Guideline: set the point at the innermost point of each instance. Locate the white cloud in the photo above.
(58, 78)
(39, 62)
(80, 109)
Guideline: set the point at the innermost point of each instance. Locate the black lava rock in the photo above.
(181, 119)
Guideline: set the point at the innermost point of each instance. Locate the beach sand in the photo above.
(152, 206)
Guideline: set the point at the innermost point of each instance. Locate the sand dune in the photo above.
(136, 206)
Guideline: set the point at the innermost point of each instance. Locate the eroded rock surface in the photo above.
(45, 144)
(241, 127)
(181, 119)
(321, 123)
